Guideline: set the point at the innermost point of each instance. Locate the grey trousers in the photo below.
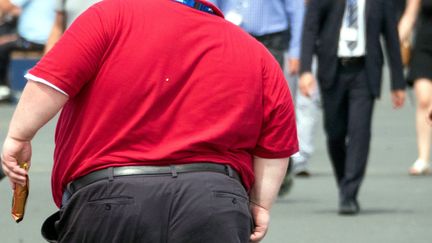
(307, 110)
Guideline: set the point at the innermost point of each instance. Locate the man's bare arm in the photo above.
(269, 174)
(409, 17)
(38, 104)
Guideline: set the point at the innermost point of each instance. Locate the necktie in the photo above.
(352, 20)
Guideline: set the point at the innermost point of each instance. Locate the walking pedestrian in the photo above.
(420, 75)
(345, 36)
(306, 109)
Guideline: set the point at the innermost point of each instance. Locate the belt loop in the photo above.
(173, 171)
(229, 171)
(111, 174)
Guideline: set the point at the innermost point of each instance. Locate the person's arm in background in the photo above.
(307, 82)
(391, 38)
(6, 6)
(269, 174)
(409, 17)
(38, 104)
(56, 31)
(58, 27)
(295, 10)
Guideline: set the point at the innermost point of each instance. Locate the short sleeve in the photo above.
(278, 138)
(76, 58)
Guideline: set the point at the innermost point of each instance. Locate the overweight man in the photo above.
(175, 126)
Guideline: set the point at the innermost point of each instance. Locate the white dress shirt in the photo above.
(350, 34)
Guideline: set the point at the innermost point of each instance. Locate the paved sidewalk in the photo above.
(397, 208)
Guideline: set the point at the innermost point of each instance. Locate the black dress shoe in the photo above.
(303, 173)
(349, 207)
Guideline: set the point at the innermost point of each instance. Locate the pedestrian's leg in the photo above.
(5, 91)
(359, 133)
(5, 50)
(4, 66)
(335, 111)
(307, 109)
(423, 91)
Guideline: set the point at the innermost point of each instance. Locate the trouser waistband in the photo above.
(173, 170)
(351, 61)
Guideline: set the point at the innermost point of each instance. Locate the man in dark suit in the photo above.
(345, 36)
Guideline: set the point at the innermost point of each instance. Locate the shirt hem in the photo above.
(34, 78)
(275, 155)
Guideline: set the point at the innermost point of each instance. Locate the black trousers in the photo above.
(196, 207)
(5, 51)
(348, 108)
(276, 43)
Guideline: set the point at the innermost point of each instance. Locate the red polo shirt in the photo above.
(158, 83)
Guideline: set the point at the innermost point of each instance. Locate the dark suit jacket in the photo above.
(321, 31)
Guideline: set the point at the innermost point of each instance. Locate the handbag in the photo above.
(406, 52)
